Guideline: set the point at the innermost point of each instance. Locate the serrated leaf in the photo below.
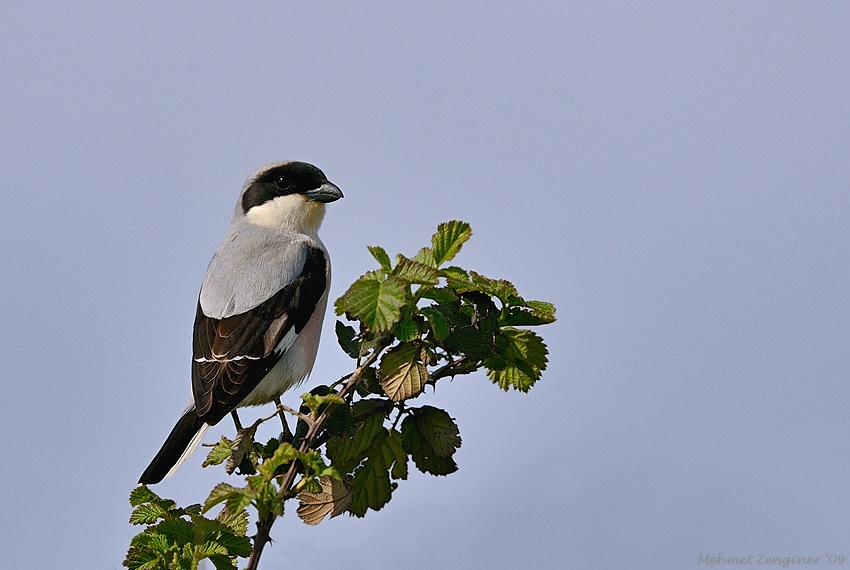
(368, 384)
(371, 487)
(369, 407)
(511, 377)
(142, 494)
(473, 325)
(439, 294)
(316, 402)
(347, 452)
(235, 545)
(431, 437)
(542, 309)
(283, 454)
(241, 446)
(407, 329)
(448, 240)
(525, 316)
(376, 302)
(426, 257)
(315, 466)
(439, 429)
(401, 373)
(210, 550)
(345, 337)
(219, 453)
(437, 322)
(457, 278)
(236, 521)
(147, 513)
(340, 421)
(500, 288)
(222, 562)
(415, 272)
(521, 358)
(381, 256)
(333, 499)
(179, 529)
(235, 498)
(394, 452)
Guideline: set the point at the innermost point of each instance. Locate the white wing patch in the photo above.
(286, 342)
(241, 357)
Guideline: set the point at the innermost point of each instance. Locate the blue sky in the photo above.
(674, 177)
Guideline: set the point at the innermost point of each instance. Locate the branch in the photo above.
(264, 525)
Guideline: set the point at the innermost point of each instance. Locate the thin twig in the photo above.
(297, 414)
(446, 370)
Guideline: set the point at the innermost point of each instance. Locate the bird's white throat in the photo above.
(293, 211)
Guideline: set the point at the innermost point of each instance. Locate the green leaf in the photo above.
(142, 494)
(235, 498)
(448, 240)
(236, 521)
(473, 325)
(283, 454)
(371, 487)
(431, 437)
(456, 277)
(500, 288)
(147, 513)
(219, 453)
(179, 529)
(542, 309)
(437, 321)
(314, 464)
(415, 272)
(381, 256)
(236, 545)
(520, 359)
(368, 384)
(375, 301)
(426, 257)
(526, 316)
(340, 421)
(439, 294)
(438, 428)
(316, 402)
(345, 337)
(407, 329)
(346, 453)
(401, 373)
(222, 562)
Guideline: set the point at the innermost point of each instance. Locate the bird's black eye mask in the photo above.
(290, 178)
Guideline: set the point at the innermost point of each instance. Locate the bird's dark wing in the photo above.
(232, 355)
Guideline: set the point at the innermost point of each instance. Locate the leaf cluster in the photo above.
(179, 538)
(437, 321)
(442, 315)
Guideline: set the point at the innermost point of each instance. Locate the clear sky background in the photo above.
(673, 176)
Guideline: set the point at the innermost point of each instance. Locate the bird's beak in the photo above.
(327, 192)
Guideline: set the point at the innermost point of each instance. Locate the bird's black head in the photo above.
(289, 178)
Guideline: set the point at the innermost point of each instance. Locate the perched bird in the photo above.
(261, 304)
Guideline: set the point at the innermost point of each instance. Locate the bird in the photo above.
(260, 307)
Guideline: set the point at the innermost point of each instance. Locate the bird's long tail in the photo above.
(179, 445)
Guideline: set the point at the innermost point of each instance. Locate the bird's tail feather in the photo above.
(179, 445)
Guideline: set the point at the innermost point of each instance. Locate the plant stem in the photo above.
(264, 526)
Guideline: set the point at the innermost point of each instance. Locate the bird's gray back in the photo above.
(252, 264)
